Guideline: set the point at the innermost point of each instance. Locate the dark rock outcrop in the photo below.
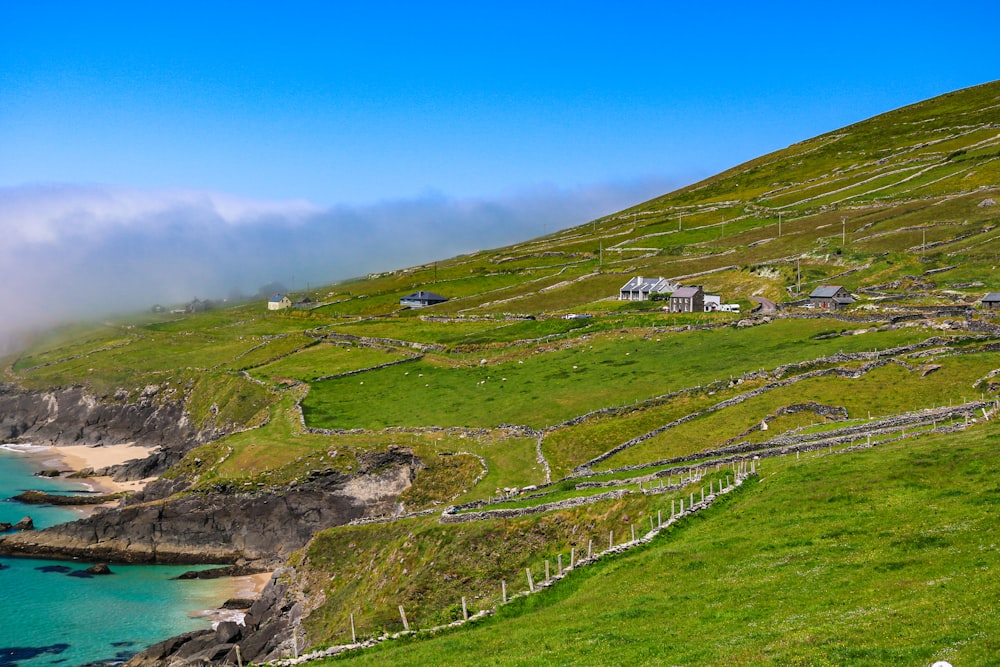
(264, 635)
(216, 527)
(33, 497)
(24, 524)
(74, 416)
(100, 568)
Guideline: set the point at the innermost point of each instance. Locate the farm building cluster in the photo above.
(679, 298)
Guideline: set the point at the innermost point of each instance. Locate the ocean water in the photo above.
(52, 615)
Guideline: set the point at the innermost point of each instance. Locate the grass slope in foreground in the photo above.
(882, 557)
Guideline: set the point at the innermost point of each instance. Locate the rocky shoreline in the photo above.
(167, 521)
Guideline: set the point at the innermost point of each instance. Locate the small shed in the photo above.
(641, 289)
(830, 297)
(687, 300)
(992, 301)
(712, 302)
(421, 299)
(279, 302)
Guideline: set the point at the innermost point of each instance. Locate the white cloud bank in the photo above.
(74, 251)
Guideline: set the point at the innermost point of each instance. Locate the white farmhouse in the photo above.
(279, 302)
(640, 289)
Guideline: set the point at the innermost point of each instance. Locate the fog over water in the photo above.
(71, 251)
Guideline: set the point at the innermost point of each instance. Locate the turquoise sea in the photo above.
(50, 614)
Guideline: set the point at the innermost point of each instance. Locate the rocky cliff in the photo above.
(170, 525)
(74, 416)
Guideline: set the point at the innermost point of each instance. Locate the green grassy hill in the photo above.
(835, 556)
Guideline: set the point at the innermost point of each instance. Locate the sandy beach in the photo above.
(79, 457)
(246, 587)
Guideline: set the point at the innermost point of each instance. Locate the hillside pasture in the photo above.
(552, 386)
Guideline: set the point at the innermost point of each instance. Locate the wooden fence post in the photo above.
(659, 518)
(354, 635)
(547, 569)
(531, 584)
(503, 590)
(465, 610)
(633, 532)
(572, 557)
(611, 538)
(559, 563)
(590, 548)
(402, 615)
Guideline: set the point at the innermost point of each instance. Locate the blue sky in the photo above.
(553, 113)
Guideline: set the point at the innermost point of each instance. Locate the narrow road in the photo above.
(766, 306)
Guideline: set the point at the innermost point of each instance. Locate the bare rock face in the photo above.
(73, 416)
(225, 527)
(24, 524)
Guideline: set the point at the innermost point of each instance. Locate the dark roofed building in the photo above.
(687, 300)
(992, 301)
(830, 297)
(421, 299)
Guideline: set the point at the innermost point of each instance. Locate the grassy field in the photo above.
(878, 557)
(546, 388)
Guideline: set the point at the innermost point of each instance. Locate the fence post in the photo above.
(611, 538)
(559, 563)
(659, 518)
(354, 635)
(673, 511)
(572, 557)
(546, 569)
(465, 610)
(503, 590)
(531, 584)
(590, 548)
(652, 524)
(703, 494)
(633, 532)
(402, 615)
